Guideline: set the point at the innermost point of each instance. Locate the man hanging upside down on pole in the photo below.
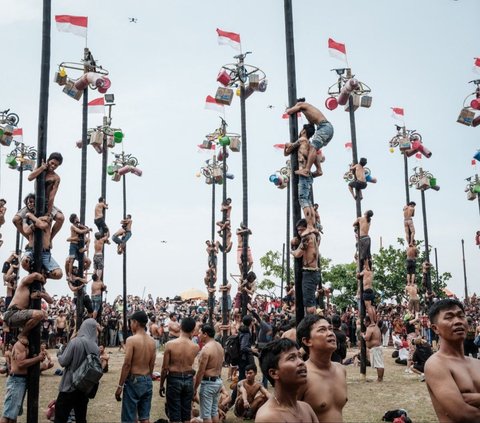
(322, 135)
(125, 232)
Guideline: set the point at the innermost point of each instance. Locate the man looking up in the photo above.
(326, 387)
(453, 380)
(282, 363)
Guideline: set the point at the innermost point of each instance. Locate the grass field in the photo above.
(367, 400)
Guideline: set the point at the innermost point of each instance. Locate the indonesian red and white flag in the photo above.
(18, 135)
(75, 24)
(202, 149)
(474, 162)
(229, 38)
(212, 104)
(348, 145)
(337, 50)
(398, 114)
(476, 65)
(97, 106)
(279, 146)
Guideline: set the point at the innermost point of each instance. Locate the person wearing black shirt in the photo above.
(341, 352)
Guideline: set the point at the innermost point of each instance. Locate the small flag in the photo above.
(348, 145)
(75, 24)
(337, 50)
(212, 104)
(97, 106)
(398, 113)
(18, 135)
(203, 149)
(229, 38)
(418, 155)
(474, 162)
(279, 146)
(476, 65)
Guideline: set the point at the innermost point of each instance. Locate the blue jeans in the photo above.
(14, 394)
(310, 281)
(209, 393)
(137, 398)
(179, 398)
(304, 189)
(322, 135)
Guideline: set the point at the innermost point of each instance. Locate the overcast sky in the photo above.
(415, 55)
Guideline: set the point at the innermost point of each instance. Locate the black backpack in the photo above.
(232, 350)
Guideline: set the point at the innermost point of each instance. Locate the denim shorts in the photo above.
(96, 302)
(73, 251)
(322, 135)
(48, 262)
(137, 398)
(304, 189)
(310, 281)
(179, 398)
(14, 395)
(209, 393)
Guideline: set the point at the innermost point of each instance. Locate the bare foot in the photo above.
(119, 249)
(303, 172)
(317, 173)
(107, 242)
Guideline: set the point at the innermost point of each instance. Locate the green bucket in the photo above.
(118, 136)
(111, 169)
(224, 141)
(433, 182)
(11, 161)
(476, 189)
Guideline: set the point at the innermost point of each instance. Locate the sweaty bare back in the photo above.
(143, 351)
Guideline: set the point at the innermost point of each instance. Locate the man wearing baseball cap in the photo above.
(135, 378)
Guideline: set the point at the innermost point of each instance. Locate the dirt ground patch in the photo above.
(367, 401)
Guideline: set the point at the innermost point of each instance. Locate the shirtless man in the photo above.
(373, 339)
(304, 181)
(408, 213)
(323, 132)
(104, 357)
(363, 226)
(173, 327)
(360, 182)
(18, 313)
(98, 287)
(241, 232)
(368, 292)
(413, 299)
(209, 374)
(308, 250)
(177, 370)
(50, 266)
(77, 231)
(47, 362)
(125, 232)
(98, 262)
(60, 327)
(412, 254)
(99, 219)
(135, 378)
(251, 394)
(212, 251)
(326, 387)
(52, 181)
(282, 364)
(3, 210)
(226, 208)
(453, 380)
(17, 381)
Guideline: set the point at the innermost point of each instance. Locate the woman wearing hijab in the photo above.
(70, 358)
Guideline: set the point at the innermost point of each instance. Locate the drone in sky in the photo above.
(133, 20)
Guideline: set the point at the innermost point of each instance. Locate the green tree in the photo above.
(390, 275)
(342, 279)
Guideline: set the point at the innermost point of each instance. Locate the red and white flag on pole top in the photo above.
(212, 104)
(337, 50)
(398, 114)
(97, 106)
(75, 24)
(279, 146)
(476, 64)
(18, 135)
(229, 38)
(348, 145)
